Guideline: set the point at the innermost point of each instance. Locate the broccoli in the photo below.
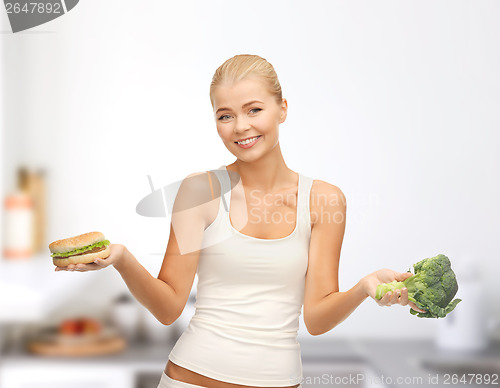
(431, 288)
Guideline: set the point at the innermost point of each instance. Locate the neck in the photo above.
(268, 173)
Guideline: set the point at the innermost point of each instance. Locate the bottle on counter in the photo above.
(18, 222)
(35, 187)
(25, 216)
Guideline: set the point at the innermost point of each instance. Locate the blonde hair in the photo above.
(245, 65)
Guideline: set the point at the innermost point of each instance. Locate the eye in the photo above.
(257, 109)
(222, 117)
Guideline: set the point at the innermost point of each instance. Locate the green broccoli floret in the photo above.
(432, 288)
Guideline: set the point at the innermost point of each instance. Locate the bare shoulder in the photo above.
(325, 197)
(200, 186)
(199, 191)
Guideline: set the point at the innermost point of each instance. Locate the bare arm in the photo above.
(166, 296)
(324, 305)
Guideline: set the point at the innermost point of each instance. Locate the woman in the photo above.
(264, 240)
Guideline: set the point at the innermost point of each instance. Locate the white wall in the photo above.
(394, 102)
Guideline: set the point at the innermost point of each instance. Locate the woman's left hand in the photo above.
(385, 276)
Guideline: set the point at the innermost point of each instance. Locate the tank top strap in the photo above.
(303, 210)
(225, 183)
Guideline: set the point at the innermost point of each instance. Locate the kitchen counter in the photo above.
(392, 363)
(421, 363)
(140, 355)
(139, 365)
(409, 363)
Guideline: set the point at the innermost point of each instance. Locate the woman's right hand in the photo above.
(118, 252)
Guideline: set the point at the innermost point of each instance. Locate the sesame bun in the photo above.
(72, 243)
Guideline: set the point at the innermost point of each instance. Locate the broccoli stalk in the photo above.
(432, 288)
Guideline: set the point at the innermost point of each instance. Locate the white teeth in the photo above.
(248, 141)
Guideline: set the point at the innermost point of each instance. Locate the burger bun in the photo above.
(76, 242)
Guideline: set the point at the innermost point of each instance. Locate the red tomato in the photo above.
(69, 327)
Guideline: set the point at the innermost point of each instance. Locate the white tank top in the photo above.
(249, 298)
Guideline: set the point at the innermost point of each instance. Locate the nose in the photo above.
(242, 124)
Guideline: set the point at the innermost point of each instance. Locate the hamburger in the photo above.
(84, 249)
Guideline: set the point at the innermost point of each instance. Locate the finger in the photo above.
(75, 267)
(403, 300)
(395, 297)
(403, 276)
(414, 307)
(385, 299)
(65, 268)
(87, 267)
(102, 263)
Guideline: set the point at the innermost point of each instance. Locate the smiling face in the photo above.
(246, 109)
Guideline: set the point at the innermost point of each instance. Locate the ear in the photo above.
(284, 110)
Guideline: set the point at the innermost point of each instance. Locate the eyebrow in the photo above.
(244, 105)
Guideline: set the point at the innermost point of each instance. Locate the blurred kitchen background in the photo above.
(397, 103)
